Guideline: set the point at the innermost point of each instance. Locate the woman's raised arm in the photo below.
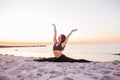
(55, 33)
(68, 36)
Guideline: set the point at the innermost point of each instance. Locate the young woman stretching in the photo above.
(58, 47)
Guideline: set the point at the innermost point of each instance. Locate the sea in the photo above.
(93, 52)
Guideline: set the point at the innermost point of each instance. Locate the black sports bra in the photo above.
(58, 47)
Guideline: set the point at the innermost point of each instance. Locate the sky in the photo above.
(31, 20)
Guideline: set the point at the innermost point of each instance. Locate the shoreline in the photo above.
(38, 57)
(24, 68)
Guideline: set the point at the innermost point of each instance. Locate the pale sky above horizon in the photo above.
(31, 20)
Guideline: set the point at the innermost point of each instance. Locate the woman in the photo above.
(58, 47)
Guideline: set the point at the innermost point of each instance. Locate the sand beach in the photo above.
(24, 68)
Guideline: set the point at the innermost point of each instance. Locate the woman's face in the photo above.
(60, 38)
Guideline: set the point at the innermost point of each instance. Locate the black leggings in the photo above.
(62, 58)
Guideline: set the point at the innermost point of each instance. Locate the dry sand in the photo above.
(24, 68)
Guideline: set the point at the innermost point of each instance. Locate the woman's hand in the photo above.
(54, 25)
(74, 30)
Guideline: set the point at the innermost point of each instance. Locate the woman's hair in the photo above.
(63, 38)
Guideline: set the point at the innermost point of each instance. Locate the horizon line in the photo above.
(50, 42)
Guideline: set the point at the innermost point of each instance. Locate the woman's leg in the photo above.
(62, 58)
(51, 59)
(83, 60)
(68, 59)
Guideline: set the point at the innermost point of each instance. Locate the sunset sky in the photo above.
(31, 20)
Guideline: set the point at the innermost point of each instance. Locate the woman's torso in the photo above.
(57, 54)
(57, 49)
